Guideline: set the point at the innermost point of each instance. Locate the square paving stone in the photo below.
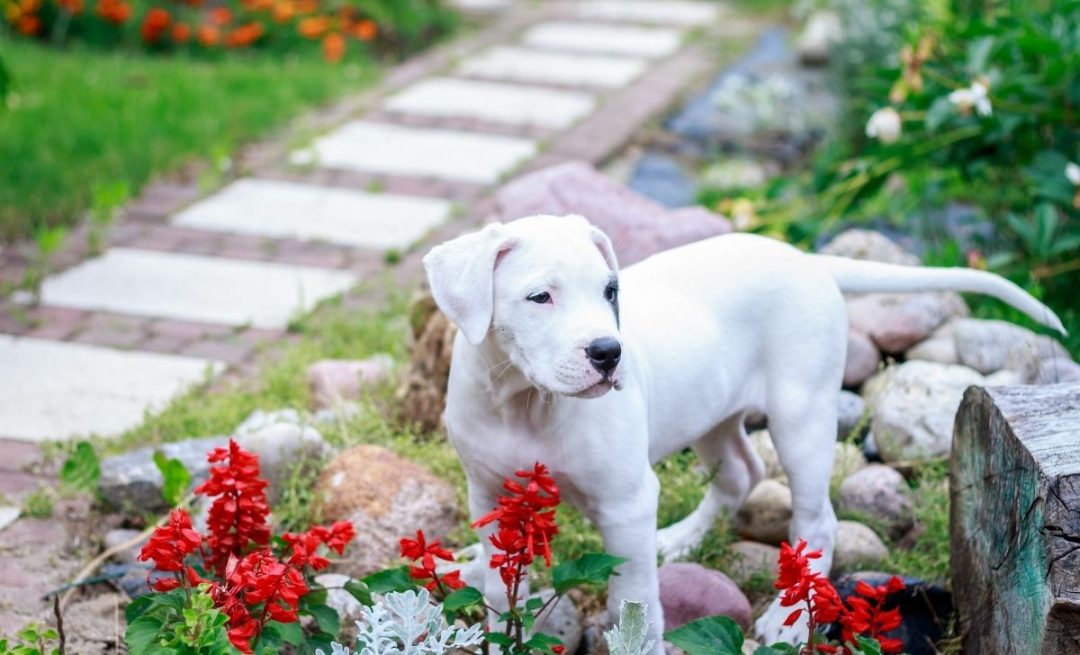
(669, 12)
(396, 150)
(491, 101)
(55, 390)
(526, 65)
(604, 38)
(309, 212)
(194, 287)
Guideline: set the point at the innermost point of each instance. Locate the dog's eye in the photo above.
(611, 293)
(541, 298)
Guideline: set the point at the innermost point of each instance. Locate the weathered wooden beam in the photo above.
(1015, 519)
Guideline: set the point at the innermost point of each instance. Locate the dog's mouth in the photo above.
(599, 389)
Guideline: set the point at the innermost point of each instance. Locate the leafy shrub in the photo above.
(197, 27)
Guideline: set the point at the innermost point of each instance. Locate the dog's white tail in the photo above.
(858, 276)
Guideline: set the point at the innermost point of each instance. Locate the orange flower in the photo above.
(29, 25)
(333, 47)
(284, 10)
(114, 11)
(307, 6)
(257, 5)
(220, 16)
(209, 35)
(154, 24)
(30, 6)
(73, 7)
(314, 27)
(181, 33)
(365, 30)
(243, 36)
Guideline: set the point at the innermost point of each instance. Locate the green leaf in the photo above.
(868, 646)
(713, 635)
(390, 580)
(497, 638)
(777, 649)
(175, 476)
(542, 642)
(81, 469)
(290, 633)
(360, 592)
(591, 568)
(326, 617)
(630, 636)
(463, 599)
(534, 603)
(142, 635)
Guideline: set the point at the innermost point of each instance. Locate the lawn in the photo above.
(80, 119)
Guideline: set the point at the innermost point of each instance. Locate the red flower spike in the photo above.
(171, 543)
(526, 522)
(424, 568)
(237, 518)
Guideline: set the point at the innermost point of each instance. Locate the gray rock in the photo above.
(857, 546)
(334, 382)
(850, 410)
(690, 591)
(863, 358)
(869, 245)
(664, 180)
(913, 405)
(636, 225)
(563, 621)
(1055, 370)
(939, 347)
(991, 346)
(766, 514)
(132, 480)
(880, 493)
(753, 562)
(341, 601)
(762, 443)
(847, 460)
(283, 440)
(870, 449)
(119, 536)
(823, 30)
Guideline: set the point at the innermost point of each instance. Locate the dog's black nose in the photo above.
(604, 354)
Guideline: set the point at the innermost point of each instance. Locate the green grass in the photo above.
(78, 119)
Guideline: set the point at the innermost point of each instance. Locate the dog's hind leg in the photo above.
(802, 422)
(734, 468)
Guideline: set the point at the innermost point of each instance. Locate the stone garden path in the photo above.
(190, 286)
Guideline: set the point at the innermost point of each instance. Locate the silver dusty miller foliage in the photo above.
(407, 623)
(628, 637)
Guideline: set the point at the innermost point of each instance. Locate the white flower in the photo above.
(973, 96)
(884, 125)
(1072, 171)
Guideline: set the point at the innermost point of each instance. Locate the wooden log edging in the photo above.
(1015, 519)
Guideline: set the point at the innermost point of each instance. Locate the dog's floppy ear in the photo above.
(606, 249)
(461, 275)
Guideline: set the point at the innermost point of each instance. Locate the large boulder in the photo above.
(913, 405)
(387, 497)
(283, 439)
(690, 591)
(132, 480)
(857, 546)
(637, 226)
(863, 358)
(993, 346)
(753, 563)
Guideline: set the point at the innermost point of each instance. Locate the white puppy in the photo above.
(691, 340)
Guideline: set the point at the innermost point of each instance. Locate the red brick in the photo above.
(16, 483)
(109, 337)
(18, 455)
(163, 344)
(188, 330)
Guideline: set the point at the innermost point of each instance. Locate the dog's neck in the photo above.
(490, 367)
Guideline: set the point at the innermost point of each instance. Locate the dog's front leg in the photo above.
(628, 526)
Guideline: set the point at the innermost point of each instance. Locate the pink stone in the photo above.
(863, 358)
(637, 226)
(690, 591)
(333, 381)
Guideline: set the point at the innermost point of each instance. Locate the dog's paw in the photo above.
(770, 628)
